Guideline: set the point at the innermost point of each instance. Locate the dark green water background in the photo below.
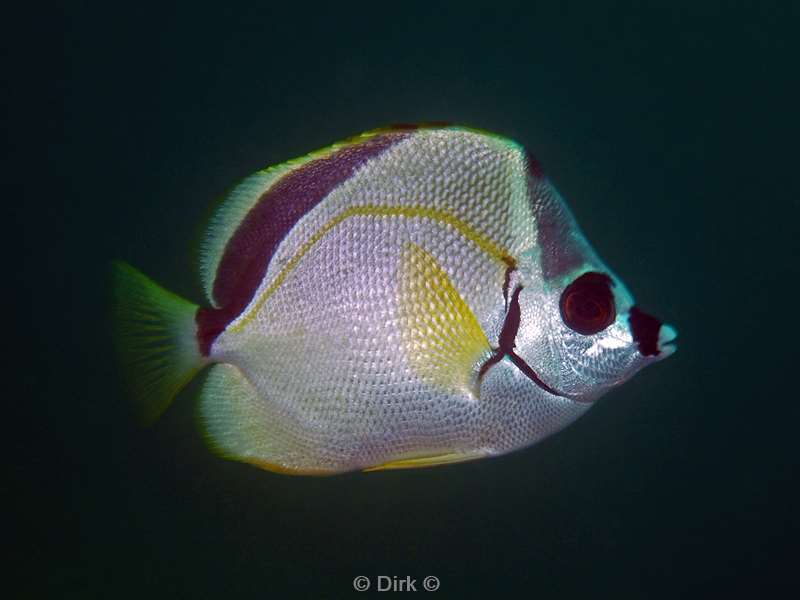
(671, 129)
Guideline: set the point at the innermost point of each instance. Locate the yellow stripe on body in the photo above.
(443, 340)
(479, 239)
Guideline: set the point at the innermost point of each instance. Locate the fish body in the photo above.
(409, 297)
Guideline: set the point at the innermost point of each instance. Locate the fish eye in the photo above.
(587, 304)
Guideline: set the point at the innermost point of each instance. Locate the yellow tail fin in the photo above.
(156, 341)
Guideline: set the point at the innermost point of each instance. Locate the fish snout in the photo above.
(666, 341)
(653, 337)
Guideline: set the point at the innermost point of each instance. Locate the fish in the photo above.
(412, 296)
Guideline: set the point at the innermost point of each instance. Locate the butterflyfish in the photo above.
(411, 296)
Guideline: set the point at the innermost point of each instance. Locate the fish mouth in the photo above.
(653, 337)
(667, 336)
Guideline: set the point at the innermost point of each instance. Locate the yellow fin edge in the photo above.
(425, 461)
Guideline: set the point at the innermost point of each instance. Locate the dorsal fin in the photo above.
(230, 213)
(235, 206)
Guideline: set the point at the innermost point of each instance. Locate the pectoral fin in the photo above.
(441, 337)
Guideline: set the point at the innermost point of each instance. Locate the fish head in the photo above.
(580, 332)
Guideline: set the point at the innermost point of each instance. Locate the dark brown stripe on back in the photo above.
(247, 254)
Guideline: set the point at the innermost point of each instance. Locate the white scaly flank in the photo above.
(322, 347)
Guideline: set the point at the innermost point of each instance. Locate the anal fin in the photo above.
(240, 426)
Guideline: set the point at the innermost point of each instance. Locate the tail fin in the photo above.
(155, 332)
